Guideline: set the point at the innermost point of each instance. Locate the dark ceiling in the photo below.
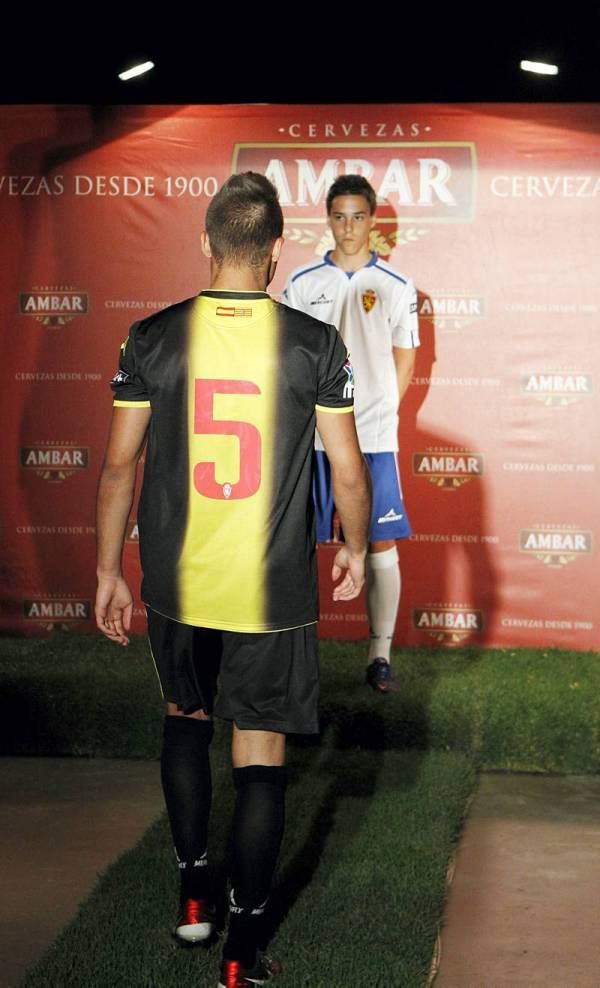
(231, 57)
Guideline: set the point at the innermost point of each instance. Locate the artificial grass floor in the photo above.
(361, 881)
(373, 812)
(517, 709)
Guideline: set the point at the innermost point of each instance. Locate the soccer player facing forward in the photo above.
(226, 388)
(374, 307)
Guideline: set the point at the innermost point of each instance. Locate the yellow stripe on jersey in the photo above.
(231, 408)
(130, 404)
(336, 411)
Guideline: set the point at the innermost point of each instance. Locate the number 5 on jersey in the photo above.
(205, 480)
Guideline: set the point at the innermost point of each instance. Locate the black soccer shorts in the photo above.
(263, 682)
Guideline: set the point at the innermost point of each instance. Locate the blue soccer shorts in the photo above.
(388, 517)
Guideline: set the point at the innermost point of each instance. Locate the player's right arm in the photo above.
(352, 495)
(114, 602)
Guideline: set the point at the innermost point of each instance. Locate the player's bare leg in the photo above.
(383, 599)
(257, 748)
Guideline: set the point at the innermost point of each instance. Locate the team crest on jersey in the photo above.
(227, 491)
(368, 299)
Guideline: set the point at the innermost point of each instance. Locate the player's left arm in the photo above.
(114, 601)
(405, 336)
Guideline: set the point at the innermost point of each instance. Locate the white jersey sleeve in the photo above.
(291, 295)
(404, 318)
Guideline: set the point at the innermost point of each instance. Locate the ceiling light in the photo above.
(542, 68)
(136, 70)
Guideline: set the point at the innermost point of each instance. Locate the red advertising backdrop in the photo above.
(493, 210)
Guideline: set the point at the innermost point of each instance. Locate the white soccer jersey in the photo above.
(374, 309)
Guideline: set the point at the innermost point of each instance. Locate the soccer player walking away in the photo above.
(375, 309)
(226, 388)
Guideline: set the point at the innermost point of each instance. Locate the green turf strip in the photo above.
(373, 811)
(520, 709)
(360, 887)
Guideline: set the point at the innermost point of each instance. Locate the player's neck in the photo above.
(350, 262)
(244, 279)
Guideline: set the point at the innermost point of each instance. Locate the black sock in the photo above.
(186, 781)
(257, 832)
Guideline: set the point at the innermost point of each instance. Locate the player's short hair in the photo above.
(243, 220)
(352, 185)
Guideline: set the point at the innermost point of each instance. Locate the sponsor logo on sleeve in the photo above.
(349, 383)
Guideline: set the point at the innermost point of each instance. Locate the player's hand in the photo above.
(114, 608)
(353, 581)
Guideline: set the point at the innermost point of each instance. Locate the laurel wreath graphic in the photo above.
(299, 236)
(381, 243)
(401, 236)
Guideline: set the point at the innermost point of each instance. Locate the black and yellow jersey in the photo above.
(225, 516)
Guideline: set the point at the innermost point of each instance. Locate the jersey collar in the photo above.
(370, 263)
(223, 293)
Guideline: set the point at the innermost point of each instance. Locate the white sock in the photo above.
(383, 599)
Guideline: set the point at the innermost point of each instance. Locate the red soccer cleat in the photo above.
(235, 975)
(196, 922)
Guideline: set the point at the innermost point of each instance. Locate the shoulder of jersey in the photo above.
(300, 318)
(305, 269)
(176, 310)
(387, 269)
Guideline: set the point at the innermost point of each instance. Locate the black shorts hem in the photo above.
(190, 706)
(267, 725)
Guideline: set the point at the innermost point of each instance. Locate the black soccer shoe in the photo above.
(379, 675)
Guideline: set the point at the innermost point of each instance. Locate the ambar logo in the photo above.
(448, 468)
(555, 546)
(451, 310)
(56, 609)
(54, 461)
(557, 388)
(448, 624)
(424, 181)
(53, 307)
